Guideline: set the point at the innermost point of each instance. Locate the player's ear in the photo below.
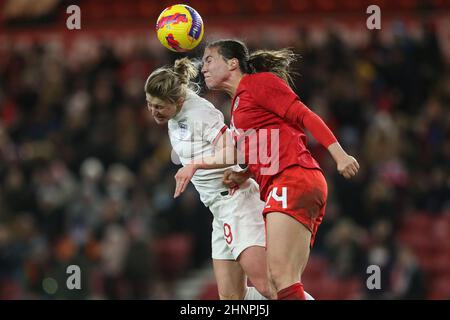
(233, 64)
(180, 102)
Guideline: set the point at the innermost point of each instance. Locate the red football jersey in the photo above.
(270, 144)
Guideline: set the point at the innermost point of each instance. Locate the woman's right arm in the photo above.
(225, 155)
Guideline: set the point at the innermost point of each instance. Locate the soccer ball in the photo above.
(179, 28)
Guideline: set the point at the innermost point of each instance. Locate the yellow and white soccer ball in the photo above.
(179, 28)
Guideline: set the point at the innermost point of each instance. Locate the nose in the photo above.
(203, 69)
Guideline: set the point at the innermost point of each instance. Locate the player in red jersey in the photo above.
(291, 183)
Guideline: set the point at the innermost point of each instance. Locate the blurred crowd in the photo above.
(86, 176)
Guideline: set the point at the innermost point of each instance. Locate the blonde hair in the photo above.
(171, 83)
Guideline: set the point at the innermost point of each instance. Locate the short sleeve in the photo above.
(271, 93)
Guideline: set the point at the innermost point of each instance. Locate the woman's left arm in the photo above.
(301, 115)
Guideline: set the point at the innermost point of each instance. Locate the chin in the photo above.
(210, 85)
(161, 122)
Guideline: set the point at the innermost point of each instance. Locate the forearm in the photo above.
(235, 178)
(222, 158)
(337, 152)
(300, 115)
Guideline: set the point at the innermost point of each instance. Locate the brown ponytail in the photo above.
(277, 62)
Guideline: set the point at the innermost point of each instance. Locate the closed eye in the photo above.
(207, 59)
(155, 106)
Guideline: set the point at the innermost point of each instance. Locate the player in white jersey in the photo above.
(196, 129)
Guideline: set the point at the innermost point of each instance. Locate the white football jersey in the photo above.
(193, 133)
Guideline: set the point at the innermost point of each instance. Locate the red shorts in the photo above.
(300, 193)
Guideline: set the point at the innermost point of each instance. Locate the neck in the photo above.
(179, 105)
(230, 86)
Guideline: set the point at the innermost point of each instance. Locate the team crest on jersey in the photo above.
(236, 104)
(184, 132)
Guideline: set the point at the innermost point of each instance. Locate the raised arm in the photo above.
(225, 155)
(301, 115)
(276, 96)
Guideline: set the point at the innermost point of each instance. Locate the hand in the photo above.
(233, 179)
(347, 166)
(182, 178)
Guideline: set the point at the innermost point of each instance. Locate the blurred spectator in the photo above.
(113, 251)
(345, 249)
(14, 9)
(381, 252)
(407, 280)
(140, 263)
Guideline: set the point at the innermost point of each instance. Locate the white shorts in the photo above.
(238, 222)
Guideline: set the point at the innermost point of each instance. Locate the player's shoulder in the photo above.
(260, 84)
(194, 103)
(262, 81)
(200, 107)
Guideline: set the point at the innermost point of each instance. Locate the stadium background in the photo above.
(86, 176)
